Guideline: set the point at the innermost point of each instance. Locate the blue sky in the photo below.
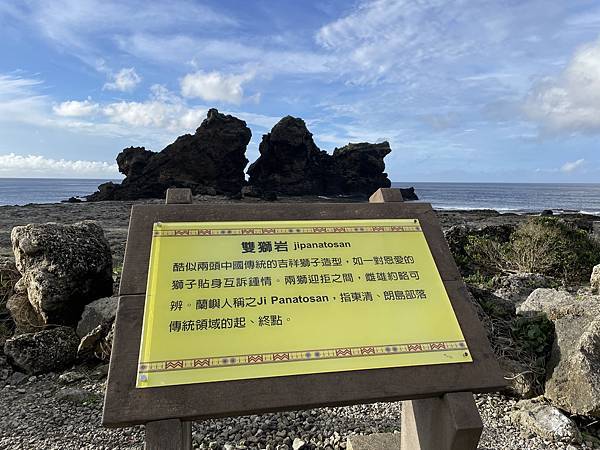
(487, 90)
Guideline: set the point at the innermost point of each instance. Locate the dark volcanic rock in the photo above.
(359, 167)
(132, 161)
(211, 161)
(409, 193)
(72, 200)
(290, 163)
(44, 351)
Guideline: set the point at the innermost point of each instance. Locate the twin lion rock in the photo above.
(212, 161)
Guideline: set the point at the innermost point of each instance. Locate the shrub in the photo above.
(487, 254)
(544, 245)
(526, 340)
(534, 335)
(552, 247)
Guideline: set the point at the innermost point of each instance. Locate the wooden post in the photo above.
(178, 196)
(451, 422)
(172, 434)
(383, 195)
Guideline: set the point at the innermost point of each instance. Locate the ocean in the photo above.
(21, 191)
(511, 197)
(503, 197)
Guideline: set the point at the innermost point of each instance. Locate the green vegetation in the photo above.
(533, 335)
(117, 271)
(526, 340)
(544, 245)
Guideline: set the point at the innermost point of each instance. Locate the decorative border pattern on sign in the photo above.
(301, 355)
(284, 230)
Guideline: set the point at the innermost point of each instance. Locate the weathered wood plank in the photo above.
(451, 422)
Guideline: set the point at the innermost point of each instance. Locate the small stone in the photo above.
(17, 378)
(78, 396)
(298, 444)
(98, 312)
(545, 420)
(70, 377)
(100, 372)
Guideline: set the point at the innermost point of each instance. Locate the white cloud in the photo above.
(20, 100)
(125, 80)
(391, 39)
(75, 108)
(156, 121)
(189, 49)
(572, 166)
(37, 166)
(571, 101)
(75, 24)
(215, 86)
(13, 85)
(153, 113)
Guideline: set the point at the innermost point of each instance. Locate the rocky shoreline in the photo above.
(113, 216)
(62, 409)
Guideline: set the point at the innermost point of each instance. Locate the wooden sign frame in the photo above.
(125, 405)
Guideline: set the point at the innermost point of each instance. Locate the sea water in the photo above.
(503, 197)
(510, 197)
(21, 191)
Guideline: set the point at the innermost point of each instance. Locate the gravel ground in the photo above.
(45, 413)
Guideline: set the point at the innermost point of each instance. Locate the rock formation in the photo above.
(290, 163)
(516, 287)
(94, 328)
(573, 370)
(63, 268)
(44, 351)
(211, 161)
(360, 167)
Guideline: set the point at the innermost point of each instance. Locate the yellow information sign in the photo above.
(239, 300)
